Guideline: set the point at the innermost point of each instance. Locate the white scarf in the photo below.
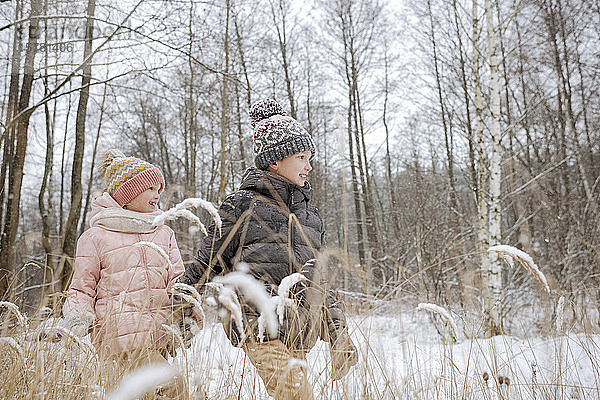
(127, 221)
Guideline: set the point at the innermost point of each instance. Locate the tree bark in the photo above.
(224, 103)
(11, 223)
(8, 137)
(70, 233)
(45, 209)
(363, 172)
(566, 93)
(242, 55)
(283, 50)
(493, 323)
(493, 280)
(388, 157)
(88, 195)
(447, 135)
(466, 97)
(191, 106)
(354, 175)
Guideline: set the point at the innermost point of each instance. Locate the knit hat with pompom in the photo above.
(276, 135)
(127, 177)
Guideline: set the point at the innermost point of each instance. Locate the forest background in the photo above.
(443, 127)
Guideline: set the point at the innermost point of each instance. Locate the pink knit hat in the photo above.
(127, 177)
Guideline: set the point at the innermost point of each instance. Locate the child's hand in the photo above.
(76, 323)
(343, 354)
(187, 304)
(187, 318)
(198, 317)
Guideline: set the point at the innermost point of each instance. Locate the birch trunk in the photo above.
(493, 278)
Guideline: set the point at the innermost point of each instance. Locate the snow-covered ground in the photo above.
(403, 356)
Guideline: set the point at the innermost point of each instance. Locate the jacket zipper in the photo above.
(144, 265)
(292, 231)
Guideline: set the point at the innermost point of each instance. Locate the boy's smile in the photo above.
(294, 168)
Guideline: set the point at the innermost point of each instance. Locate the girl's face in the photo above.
(294, 168)
(145, 202)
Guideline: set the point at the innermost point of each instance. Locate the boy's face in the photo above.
(146, 201)
(294, 168)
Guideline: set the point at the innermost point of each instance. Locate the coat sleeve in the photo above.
(177, 268)
(81, 295)
(218, 248)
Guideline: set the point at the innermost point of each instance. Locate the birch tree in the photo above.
(493, 276)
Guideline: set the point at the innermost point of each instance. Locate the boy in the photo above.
(270, 225)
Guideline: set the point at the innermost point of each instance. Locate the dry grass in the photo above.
(45, 369)
(401, 357)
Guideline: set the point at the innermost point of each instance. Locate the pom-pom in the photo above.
(264, 109)
(108, 158)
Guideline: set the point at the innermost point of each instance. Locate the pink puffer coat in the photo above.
(126, 287)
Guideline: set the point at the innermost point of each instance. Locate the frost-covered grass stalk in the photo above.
(229, 300)
(15, 310)
(47, 361)
(189, 294)
(182, 210)
(69, 336)
(182, 287)
(442, 312)
(156, 248)
(193, 301)
(143, 380)
(509, 254)
(13, 345)
(254, 293)
(174, 332)
(283, 292)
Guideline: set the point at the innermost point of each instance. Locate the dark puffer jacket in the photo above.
(270, 225)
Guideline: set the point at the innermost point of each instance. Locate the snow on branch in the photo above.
(181, 210)
(509, 254)
(441, 311)
(158, 249)
(15, 310)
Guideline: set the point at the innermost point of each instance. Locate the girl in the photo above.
(121, 288)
